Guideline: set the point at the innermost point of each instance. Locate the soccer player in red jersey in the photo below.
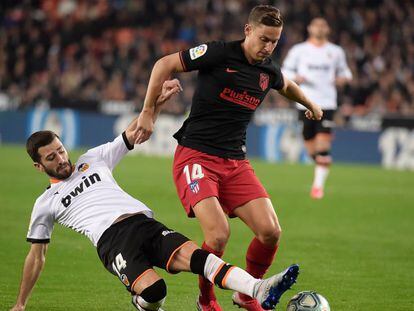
(211, 173)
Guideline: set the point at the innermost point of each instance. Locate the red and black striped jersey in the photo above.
(228, 91)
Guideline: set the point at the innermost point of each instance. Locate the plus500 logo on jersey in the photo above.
(86, 183)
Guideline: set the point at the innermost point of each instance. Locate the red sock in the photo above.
(206, 287)
(259, 257)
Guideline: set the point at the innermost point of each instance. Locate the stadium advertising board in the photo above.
(275, 137)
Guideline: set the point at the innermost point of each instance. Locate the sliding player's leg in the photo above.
(226, 276)
(149, 291)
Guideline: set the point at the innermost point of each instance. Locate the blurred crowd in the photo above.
(80, 53)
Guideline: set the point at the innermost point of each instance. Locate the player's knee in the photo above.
(323, 158)
(270, 236)
(153, 297)
(218, 240)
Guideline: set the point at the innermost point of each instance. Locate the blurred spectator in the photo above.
(91, 51)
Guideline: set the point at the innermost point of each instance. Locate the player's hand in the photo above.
(145, 126)
(169, 89)
(315, 113)
(300, 79)
(145, 122)
(341, 81)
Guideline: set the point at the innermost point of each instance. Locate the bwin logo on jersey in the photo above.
(86, 183)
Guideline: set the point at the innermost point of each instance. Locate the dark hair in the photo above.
(267, 15)
(37, 140)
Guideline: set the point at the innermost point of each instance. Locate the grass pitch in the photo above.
(355, 247)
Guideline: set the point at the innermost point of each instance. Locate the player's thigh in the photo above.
(212, 219)
(323, 141)
(162, 244)
(145, 280)
(310, 146)
(259, 215)
(195, 176)
(240, 187)
(309, 127)
(121, 250)
(324, 130)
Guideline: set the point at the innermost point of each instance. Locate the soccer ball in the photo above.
(308, 301)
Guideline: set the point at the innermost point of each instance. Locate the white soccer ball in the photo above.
(308, 301)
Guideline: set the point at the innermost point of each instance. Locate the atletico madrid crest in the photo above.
(264, 81)
(194, 186)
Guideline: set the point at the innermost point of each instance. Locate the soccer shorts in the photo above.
(312, 127)
(134, 245)
(198, 176)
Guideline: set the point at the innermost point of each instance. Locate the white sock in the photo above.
(321, 173)
(234, 278)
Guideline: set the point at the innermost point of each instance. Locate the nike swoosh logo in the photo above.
(231, 70)
(57, 192)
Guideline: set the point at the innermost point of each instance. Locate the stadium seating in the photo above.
(81, 53)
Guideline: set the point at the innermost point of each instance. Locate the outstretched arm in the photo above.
(293, 92)
(163, 69)
(135, 128)
(112, 152)
(33, 265)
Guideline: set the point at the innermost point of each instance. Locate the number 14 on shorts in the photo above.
(192, 179)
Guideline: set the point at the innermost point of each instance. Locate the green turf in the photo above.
(356, 246)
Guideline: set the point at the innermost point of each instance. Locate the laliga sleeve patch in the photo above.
(198, 51)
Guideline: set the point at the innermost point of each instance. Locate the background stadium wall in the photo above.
(392, 147)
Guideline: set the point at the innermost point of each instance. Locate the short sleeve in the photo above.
(342, 69)
(111, 153)
(290, 64)
(279, 82)
(41, 224)
(203, 56)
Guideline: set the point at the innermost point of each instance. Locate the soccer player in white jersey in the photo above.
(318, 66)
(130, 242)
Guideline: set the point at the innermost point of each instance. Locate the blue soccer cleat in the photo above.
(269, 291)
